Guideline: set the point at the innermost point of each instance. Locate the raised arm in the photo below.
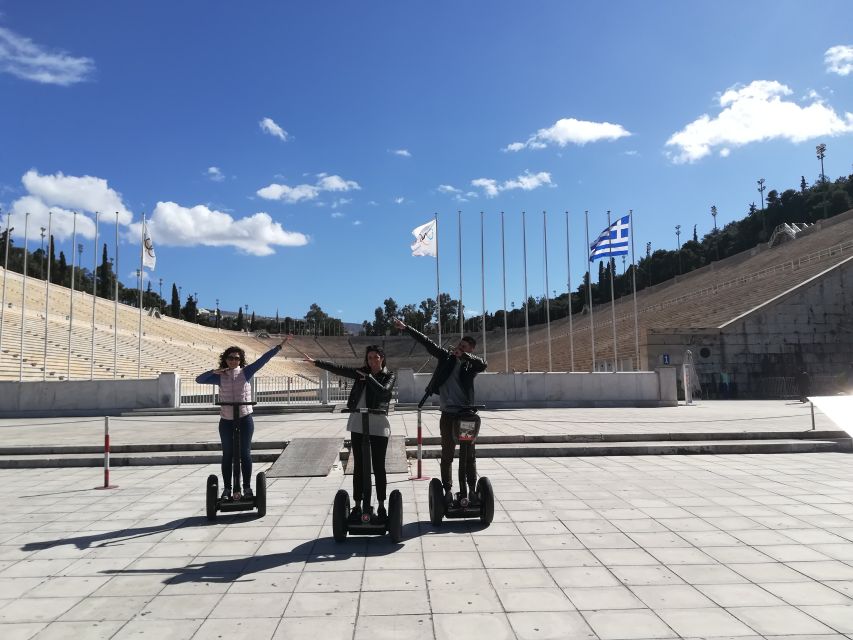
(251, 369)
(339, 370)
(385, 391)
(209, 377)
(434, 350)
(477, 363)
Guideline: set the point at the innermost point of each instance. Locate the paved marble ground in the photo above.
(707, 416)
(630, 547)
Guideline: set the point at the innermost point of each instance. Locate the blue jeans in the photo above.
(226, 435)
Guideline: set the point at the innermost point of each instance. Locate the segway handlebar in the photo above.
(231, 404)
(378, 412)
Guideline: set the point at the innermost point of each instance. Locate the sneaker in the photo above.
(247, 494)
(355, 514)
(448, 497)
(226, 494)
(236, 495)
(381, 513)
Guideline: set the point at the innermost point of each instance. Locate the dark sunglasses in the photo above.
(232, 357)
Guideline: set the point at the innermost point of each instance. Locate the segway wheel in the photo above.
(395, 516)
(436, 501)
(212, 495)
(261, 494)
(487, 501)
(340, 511)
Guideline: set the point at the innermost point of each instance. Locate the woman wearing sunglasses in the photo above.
(233, 377)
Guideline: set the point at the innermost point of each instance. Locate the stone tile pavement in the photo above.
(743, 546)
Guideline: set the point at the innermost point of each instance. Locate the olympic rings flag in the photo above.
(149, 259)
(426, 240)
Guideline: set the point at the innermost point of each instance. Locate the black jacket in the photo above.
(471, 364)
(379, 387)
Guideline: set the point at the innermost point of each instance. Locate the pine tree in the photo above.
(175, 307)
(62, 270)
(240, 319)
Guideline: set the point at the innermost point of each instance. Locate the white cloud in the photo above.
(301, 192)
(571, 131)
(756, 113)
(446, 188)
(401, 152)
(23, 58)
(174, 225)
(839, 59)
(527, 182)
(399, 200)
(63, 195)
(269, 126)
(340, 202)
(456, 193)
(337, 214)
(356, 223)
(215, 174)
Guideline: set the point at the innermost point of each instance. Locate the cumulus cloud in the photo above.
(215, 174)
(63, 195)
(174, 225)
(401, 152)
(447, 188)
(457, 194)
(526, 182)
(571, 131)
(755, 113)
(839, 59)
(302, 192)
(399, 200)
(269, 126)
(24, 59)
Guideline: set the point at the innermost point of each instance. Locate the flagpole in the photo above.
(141, 273)
(526, 306)
(461, 308)
(71, 314)
(47, 291)
(94, 297)
(483, 281)
(5, 271)
(569, 283)
(503, 269)
(634, 277)
(437, 285)
(115, 308)
(24, 295)
(589, 291)
(612, 264)
(547, 301)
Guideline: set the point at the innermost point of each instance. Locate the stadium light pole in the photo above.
(216, 320)
(649, 261)
(716, 242)
(678, 241)
(161, 295)
(43, 229)
(761, 189)
(821, 153)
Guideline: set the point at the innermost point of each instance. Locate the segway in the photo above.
(369, 524)
(475, 501)
(214, 502)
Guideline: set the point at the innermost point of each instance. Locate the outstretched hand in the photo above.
(305, 356)
(285, 341)
(399, 324)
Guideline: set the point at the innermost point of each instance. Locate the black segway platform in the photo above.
(214, 502)
(470, 502)
(369, 524)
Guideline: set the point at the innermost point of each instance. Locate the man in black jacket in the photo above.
(453, 381)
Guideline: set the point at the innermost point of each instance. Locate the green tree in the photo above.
(241, 322)
(175, 306)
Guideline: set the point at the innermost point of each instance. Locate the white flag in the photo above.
(426, 240)
(148, 257)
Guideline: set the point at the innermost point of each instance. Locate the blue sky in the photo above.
(285, 150)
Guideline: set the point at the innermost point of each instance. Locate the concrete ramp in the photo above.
(306, 457)
(395, 457)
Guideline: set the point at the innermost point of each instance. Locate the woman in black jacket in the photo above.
(372, 388)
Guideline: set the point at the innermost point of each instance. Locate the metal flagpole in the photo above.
(141, 272)
(71, 315)
(94, 297)
(634, 277)
(612, 264)
(503, 268)
(483, 282)
(437, 285)
(47, 292)
(547, 302)
(461, 308)
(5, 271)
(24, 296)
(115, 308)
(569, 284)
(589, 291)
(526, 306)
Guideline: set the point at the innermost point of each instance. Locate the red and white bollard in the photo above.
(107, 484)
(420, 449)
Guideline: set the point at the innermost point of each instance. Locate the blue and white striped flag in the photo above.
(613, 241)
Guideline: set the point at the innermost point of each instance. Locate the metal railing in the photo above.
(286, 390)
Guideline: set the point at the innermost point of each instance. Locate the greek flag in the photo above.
(613, 241)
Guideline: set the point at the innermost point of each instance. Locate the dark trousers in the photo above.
(378, 446)
(226, 435)
(448, 448)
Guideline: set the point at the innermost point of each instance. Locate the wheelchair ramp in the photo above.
(306, 457)
(395, 457)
